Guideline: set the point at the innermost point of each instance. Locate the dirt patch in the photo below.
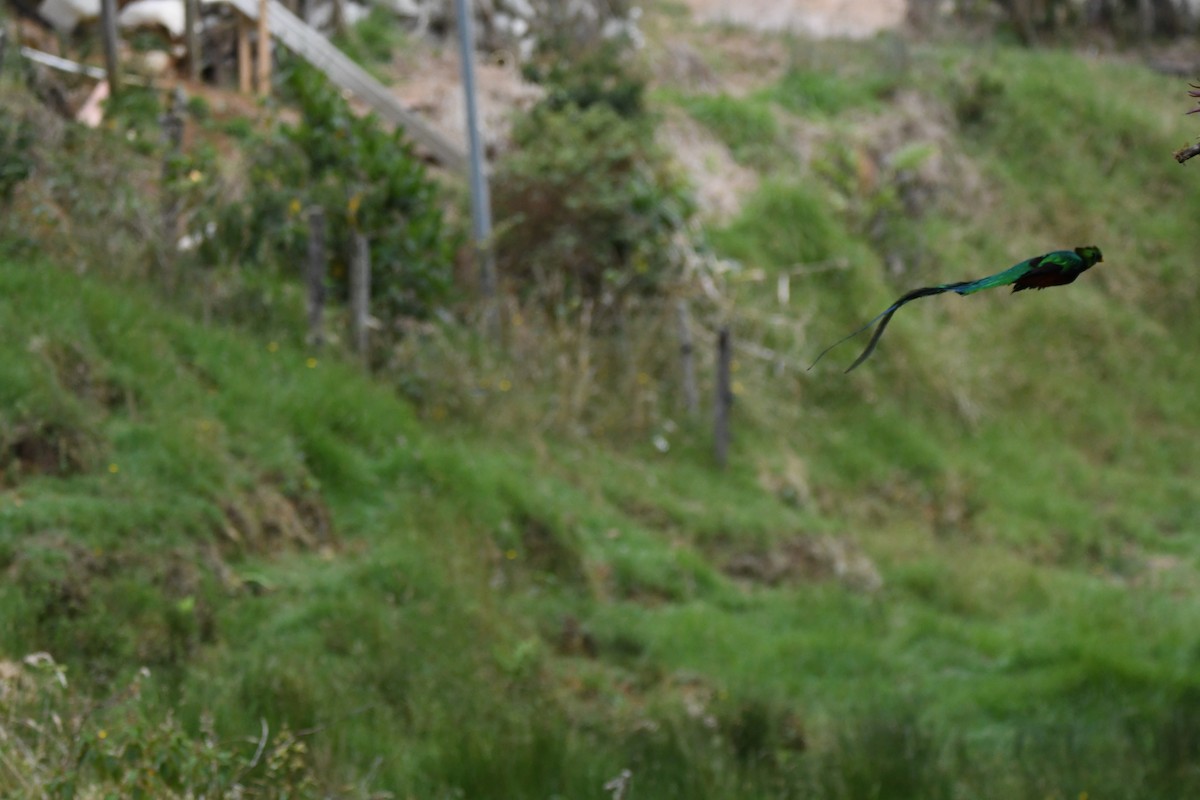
(717, 60)
(805, 559)
(432, 88)
(719, 181)
(45, 448)
(574, 638)
(79, 375)
(824, 19)
(946, 176)
(267, 520)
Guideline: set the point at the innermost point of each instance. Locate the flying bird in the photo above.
(1052, 269)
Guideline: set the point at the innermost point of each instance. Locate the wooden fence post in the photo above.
(191, 20)
(360, 292)
(108, 27)
(724, 398)
(691, 398)
(264, 50)
(172, 131)
(3, 45)
(243, 53)
(316, 276)
(339, 16)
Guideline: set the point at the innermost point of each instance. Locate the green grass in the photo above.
(469, 607)
(748, 127)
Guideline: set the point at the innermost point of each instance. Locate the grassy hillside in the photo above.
(967, 569)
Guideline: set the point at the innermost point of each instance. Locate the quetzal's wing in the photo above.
(1011, 275)
(1053, 269)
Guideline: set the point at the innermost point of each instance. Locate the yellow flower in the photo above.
(510, 554)
(504, 385)
(273, 347)
(738, 388)
(102, 734)
(114, 469)
(311, 362)
(294, 207)
(195, 175)
(353, 205)
(643, 379)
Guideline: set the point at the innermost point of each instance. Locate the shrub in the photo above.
(366, 178)
(64, 744)
(590, 205)
(588, 201)
(17, 137)
(597, 75)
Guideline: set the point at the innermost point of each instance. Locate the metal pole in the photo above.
(481, 207)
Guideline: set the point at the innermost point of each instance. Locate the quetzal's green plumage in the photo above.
(1052, 269)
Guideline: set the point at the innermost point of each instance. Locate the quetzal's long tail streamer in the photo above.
(886, 316)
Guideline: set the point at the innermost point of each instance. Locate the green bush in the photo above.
(588, 201)
(17, 137)
(589, 205)
(64, 744)
(365, 178)
(599, 75)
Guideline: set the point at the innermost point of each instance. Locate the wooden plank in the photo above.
(339, 68)
(264, 50)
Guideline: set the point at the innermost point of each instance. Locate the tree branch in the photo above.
(1184, 153)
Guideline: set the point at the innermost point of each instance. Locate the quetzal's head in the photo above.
(1091, 255)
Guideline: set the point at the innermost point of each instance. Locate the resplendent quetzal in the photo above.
(1052, 269)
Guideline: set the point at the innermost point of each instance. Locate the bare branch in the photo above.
(262, 744)
(1184, 153)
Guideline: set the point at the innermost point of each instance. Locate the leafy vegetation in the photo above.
(365, 179)
(16, 145)
(591, 202)
(750, 129)
(970, 570)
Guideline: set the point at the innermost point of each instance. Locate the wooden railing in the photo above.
(314, 48)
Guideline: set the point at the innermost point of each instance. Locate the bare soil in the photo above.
(853, 19)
